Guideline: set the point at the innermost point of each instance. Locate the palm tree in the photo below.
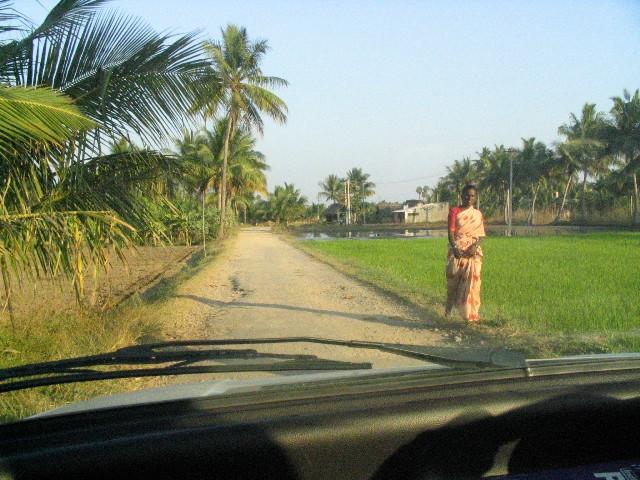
(247, 169)
(534, 163)
(119, 72)
(361, 188)
(332, 189)
(565, 164)
(492, 169)
(286, 203)
(39, 116)
(460, 174)
(198, 170)
(625, 139)
(244, 90)
(246, 166)
(584, 139)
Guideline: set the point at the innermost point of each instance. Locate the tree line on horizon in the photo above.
(591, 175)
(593, 170)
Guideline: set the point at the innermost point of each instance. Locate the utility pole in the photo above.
(348, 202)
(364, 215)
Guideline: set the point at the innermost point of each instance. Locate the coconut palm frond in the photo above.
(120, 72)
(59, 243)
(124, 183)
(268, 102)
(31, 116)
(10, 19)
(66, 15)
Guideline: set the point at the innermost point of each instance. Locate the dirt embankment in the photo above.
(143, 266)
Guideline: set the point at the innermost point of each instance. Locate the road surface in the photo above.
(262, 286)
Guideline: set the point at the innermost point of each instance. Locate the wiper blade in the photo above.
(447, 356)
(74, 370)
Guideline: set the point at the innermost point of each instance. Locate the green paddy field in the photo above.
(583, 290)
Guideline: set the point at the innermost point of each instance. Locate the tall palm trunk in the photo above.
(204, 236)
(635, 199)
(583, 203)
(532, 211)
(505, 195)
(225, 160)
(564, 199)
(7, 291)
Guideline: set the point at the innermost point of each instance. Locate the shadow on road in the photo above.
(386, 320)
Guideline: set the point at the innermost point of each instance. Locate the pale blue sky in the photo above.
(402, 88)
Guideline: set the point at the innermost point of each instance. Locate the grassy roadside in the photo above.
(39, 339)
(543, 295)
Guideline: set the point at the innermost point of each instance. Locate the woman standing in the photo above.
(464, 260)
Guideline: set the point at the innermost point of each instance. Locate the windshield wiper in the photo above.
(179, 355)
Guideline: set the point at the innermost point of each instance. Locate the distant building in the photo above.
(334, 213)
(416, 211)
(384, 211)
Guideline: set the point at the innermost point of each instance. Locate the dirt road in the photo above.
(264, 287)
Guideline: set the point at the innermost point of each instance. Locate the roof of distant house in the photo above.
(334, 209)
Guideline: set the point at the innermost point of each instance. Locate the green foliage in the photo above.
(600, 154)
(315, 212)
(36, 117)
(286, 204)
(201, 156)
(332, 189)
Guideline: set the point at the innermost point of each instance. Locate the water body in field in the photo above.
(374, 234)
(421, 233)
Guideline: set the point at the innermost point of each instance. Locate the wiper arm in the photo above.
(447, 356)
(74, 370)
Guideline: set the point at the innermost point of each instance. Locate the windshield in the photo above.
(461, 177)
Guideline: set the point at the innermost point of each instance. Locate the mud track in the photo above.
(264, 287)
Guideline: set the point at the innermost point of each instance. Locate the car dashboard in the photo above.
(474, 424)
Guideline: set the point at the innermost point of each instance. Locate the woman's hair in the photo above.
(468, 187)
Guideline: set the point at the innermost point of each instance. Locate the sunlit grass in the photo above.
(65, 336)
(586, 284)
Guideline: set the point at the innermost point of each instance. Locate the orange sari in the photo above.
(463, 274)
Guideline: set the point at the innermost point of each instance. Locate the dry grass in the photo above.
(63, 336)
(613, 216)
(54, 296)
(43, 337)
